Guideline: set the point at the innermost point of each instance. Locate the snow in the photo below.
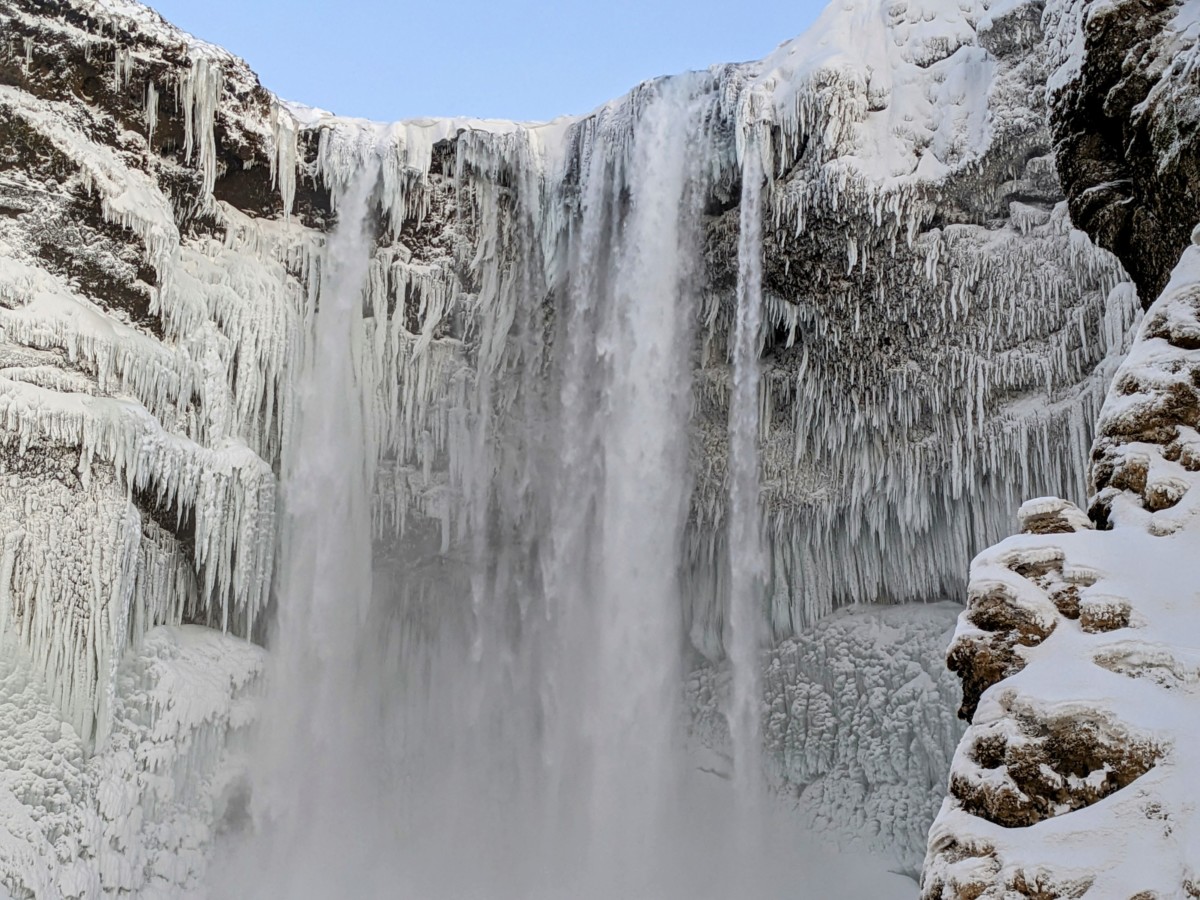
(136, 815)
(1135, 682)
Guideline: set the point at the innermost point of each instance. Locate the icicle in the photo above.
(198, 95)
(151, 114)
(286, 158)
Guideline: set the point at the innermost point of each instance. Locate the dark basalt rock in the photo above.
(1127, 148)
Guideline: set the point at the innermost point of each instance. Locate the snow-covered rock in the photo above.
(1124, 117)
(1077, 775)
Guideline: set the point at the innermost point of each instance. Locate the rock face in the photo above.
(1076, 651)
(1125, 128)
(938, 341)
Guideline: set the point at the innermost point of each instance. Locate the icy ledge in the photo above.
(1080, 658)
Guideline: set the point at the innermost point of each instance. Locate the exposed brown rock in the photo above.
(1049, 766)
(1127, 145)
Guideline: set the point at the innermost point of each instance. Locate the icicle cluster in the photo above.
(917, 387)
(138, 486)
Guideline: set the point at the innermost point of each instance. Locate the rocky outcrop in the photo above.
(921, 275)
(138, 486)
(1075, 777)
(1127, 144)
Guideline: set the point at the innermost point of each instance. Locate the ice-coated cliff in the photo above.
(936, 342)
(1076, 775)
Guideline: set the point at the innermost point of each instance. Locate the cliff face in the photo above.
(1076, 651)
(1125, 128)
(938, 342)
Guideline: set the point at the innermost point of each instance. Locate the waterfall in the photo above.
(747, 558)
(620, 501)
(547, 709)
(317, 771)
(498, 714)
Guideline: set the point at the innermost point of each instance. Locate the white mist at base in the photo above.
(511, 726)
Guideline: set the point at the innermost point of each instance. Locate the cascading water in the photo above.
(498, 715)
(621, 494)
(319, 764)
(747, 562)
(550, 722)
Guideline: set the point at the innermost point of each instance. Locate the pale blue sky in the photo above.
(512, 59)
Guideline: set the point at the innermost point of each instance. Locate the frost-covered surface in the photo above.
(937, 337)
(136, 426)
(938, 323)
(1077, 775)
(137, 816)
(858, 716)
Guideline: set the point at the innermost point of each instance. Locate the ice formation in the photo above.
(137, 817)
(859, 725)
(935, 342)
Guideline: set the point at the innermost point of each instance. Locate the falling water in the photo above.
(747, 562)
(317, 769)
(502, 718)
(621, 493)
(549, 709)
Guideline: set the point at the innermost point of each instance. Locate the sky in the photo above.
(508, 59)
